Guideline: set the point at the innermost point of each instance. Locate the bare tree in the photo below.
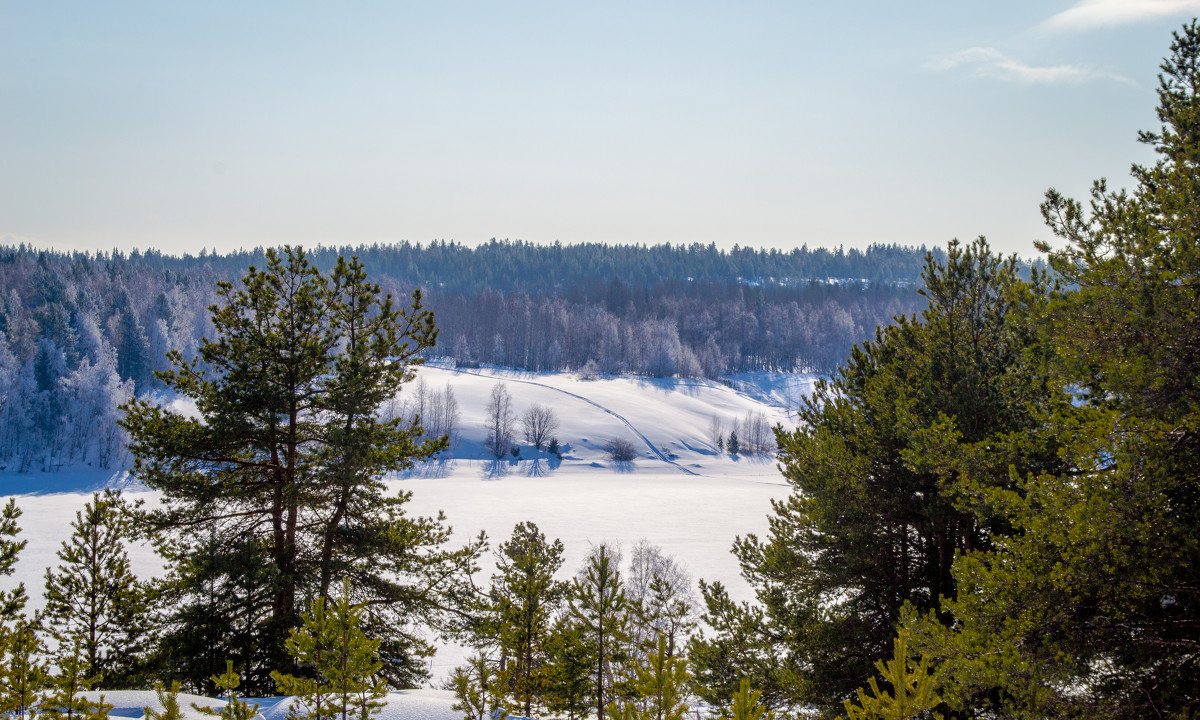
(442, 416)
(499, 421)
(716, 433)
(662, 595)
(540, 422)
(756, 434)
(621, 449)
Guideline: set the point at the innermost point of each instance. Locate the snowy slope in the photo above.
(680, 492)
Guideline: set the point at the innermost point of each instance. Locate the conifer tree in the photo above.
(524, 597)
(879, 509)
(479, 689)
(660, 685)
(23, 673)
(63, 699)
(1091, 607)
(745, 705)
(12, 602)
(599, 607)
(570, 682)
(912, 693)
(93, 595)
(285, 464)
(235, 708)
(168, 700)
(341, 664)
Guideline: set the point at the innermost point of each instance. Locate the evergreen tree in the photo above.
(569, 671)
(133, 349)
(1091, 607)
(12, 602)
(912, 693)
(745, 705)
(340, 662)
(285, 462)
(168, 700)
(524, 597)
(878, 511)
(23, 673)
(660, 685)
(479, 689)
(599, 607)
(235, 708)
(64, 698)
(93, 595)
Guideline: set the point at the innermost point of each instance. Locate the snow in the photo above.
(402, 705)
(680, 492)
(132, 703)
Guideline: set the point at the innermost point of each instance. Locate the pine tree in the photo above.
(235, 708)
(598, 605)
(745, 705)
(94, 596)
(1090, 608)
(524, 597)
(660, 683)
(22, 672)
(570, 683)
(892, 466)
(479, 689)
(12, 602)
(64, 699)
(285, 464)
(168, 700)
(912, 693)
(341, 664)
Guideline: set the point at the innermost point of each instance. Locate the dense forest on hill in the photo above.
(80, 333)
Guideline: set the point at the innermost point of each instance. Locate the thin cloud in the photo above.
(1090, 14)
(983, 62)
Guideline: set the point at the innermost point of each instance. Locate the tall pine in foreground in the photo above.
(282, 472)
(877, 514)
(1091, 608)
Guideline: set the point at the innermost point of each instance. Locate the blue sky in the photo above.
(218, 125)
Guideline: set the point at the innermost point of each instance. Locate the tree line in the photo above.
(81, 334)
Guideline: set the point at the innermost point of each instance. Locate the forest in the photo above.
(81, 333)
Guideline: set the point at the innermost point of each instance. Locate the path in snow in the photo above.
(657, 453)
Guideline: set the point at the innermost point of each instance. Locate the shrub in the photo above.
(621, 450)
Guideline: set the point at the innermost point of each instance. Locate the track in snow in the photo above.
(657, 453)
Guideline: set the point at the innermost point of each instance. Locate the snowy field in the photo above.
(680, 492)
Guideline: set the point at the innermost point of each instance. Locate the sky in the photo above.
(217, 125)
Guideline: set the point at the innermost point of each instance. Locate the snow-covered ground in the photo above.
(680, 492)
